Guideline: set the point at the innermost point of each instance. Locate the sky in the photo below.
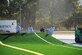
(80, 2)
(8, 2)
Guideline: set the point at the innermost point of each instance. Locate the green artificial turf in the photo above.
(32, 42)
(9, 51)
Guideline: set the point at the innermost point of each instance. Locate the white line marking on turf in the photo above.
(44, 39)
(25, 50)
(55, 44)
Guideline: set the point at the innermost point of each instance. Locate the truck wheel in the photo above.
(77, 40)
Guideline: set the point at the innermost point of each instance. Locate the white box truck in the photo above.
(8, 26)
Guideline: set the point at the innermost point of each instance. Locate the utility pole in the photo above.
(20, 16)
(52, 13)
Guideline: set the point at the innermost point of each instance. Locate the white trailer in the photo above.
(8, 26)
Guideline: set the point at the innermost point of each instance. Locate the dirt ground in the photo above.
(64, 32)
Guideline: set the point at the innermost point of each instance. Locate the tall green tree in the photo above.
(12, 10)
(3, 6)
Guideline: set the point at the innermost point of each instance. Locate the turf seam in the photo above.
(55, 44)
(22, 49)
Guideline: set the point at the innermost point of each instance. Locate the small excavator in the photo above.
(78, 35)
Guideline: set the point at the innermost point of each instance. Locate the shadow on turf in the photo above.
(10, 35)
